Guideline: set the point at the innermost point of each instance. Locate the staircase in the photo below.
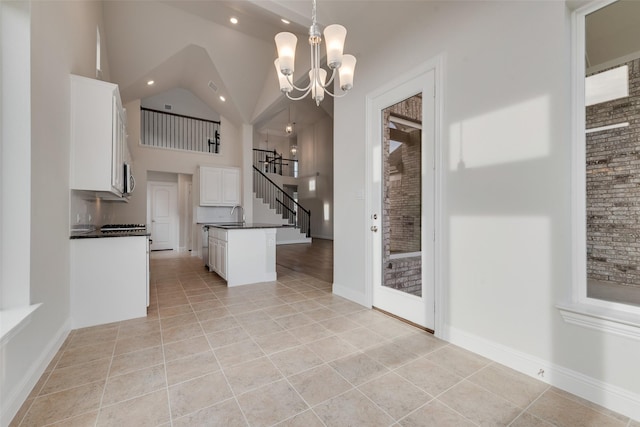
(272, 205)
(284, 236)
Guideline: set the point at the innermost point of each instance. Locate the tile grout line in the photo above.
(164, 356)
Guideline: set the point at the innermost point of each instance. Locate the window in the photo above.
(606, 293)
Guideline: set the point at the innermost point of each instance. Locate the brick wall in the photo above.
(402, 203)
(613, 188)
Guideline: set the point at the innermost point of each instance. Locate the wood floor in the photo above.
(314, 259)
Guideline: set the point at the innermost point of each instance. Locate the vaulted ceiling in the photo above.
(189, 43)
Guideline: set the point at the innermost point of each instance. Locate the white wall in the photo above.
(505, 232)
(315, 154)
(182, 102)
(62, 41)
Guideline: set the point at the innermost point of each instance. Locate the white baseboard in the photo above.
(607, 395)
(293, 242)
(10, 405)
(320, 236)
(350, 294)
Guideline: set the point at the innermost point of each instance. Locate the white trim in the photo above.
(581, 310)
(294, 242)
(436, 64)
(440, 298)
(322, 236)
(405, 122)
(13, 320)
(609, 396)
(602, 319)
(10, 405)
(608, 127)
(405, 255)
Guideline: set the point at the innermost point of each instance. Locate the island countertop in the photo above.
(245, 226)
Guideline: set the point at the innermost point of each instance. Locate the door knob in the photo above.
(374, 228)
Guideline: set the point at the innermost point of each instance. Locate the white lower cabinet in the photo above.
(243, 256)
(218, 251)
(109, 280)
(221, 258)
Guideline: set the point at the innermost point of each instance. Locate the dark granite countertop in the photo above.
(246, 226)
(97, 234)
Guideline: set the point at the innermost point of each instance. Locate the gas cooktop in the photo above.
(107, 228)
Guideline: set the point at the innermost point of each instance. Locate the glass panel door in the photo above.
(402, 196)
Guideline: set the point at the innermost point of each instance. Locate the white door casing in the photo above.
(419, 310)
(163, 212)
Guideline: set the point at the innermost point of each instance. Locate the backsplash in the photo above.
(86, 209)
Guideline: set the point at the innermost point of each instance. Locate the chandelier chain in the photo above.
(313, 12)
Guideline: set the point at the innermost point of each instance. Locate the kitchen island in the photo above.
(243, 253)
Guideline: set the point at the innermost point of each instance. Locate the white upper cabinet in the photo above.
(98, 136)
(219, 186)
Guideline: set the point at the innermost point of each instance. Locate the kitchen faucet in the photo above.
(233, 210)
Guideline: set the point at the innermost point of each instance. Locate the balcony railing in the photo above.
(169, 130)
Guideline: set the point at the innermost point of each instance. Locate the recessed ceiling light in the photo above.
(150, 82)
(222, 98)
(285, 21)
(233, 20)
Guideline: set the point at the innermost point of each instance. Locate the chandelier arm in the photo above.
(293, 98)
(300, 89)
(333, 95)
(333, 75)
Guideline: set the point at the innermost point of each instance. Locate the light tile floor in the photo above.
(288, 354)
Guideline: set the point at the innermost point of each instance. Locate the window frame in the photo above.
(612, 317)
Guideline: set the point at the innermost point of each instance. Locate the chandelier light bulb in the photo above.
(346, 72)
(334, 36)
(286, 44)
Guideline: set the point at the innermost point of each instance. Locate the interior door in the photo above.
(403, 200)
(163, 204)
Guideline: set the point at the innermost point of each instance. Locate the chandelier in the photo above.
(334, 39)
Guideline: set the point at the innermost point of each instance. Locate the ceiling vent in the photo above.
(168, 106)
(213, 86)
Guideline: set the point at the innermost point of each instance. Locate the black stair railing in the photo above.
(270, 161)
(283, 203)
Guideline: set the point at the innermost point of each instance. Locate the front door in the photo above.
(163, 210)
(403, 201)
